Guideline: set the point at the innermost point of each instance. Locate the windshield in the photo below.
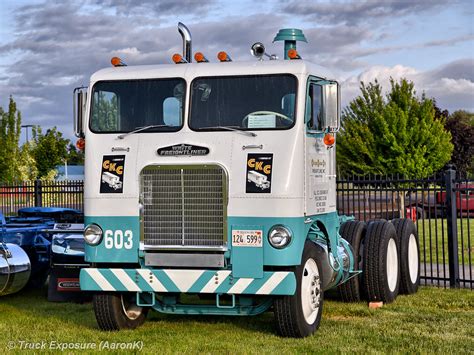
(124, 106)
(257, 102)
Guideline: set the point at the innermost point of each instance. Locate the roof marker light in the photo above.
(200, 58)
(178, 59)
(293, 54)
(117, 62)
(223, 57)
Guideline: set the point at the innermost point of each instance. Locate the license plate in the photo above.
(247, 238)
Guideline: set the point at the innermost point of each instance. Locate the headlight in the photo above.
(279, 236)
(93, 234)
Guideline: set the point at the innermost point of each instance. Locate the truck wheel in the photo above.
(299, 315)
(115, 311)
(354, 233)
(381, 262)
(409, 248)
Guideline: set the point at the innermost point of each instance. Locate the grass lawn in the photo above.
(433, 235)
(434, 320)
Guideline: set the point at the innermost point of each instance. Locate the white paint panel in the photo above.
(125, 280)
(151, 279)
(240, 286)
(100, 280)
(272, 282)
(214, 283)
(184, 279)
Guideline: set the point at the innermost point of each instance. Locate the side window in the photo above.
(106, 107)
(171, 112)
(315, 108)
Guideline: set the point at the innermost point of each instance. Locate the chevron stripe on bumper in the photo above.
(186, 281)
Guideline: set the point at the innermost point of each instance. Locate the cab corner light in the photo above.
(329, 139)
(178, 59)
(81, 144)
(223, 57)
(293, 54)
(200, 58)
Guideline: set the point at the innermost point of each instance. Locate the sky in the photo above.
(47, 48)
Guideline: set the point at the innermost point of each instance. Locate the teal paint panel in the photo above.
(87, 283)
(247, 261)
(166, 281)
(101, 254)
(202, 281)
(287, 286)
(291, 255)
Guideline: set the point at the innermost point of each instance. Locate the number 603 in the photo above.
(118, 239)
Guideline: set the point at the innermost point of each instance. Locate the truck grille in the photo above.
(183, 206)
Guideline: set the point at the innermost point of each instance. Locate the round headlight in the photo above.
(93, 234)
(279, 236)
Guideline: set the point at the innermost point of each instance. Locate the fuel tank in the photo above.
(15, 268)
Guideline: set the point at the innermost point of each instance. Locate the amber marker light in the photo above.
(81, 144)
(178, 58)
(329, 139)
(293, 54)
(223, 57)
(117, 62)
(200, 58)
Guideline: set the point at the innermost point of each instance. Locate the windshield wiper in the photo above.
(141, 129)
(233, 129)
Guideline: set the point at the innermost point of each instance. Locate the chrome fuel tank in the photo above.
(15, 268)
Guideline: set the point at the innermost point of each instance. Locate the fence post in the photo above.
(451, 217)
(38, 193)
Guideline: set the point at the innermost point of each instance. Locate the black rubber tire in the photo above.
(110, 314)
(354, 233)
(375, 274)
(288, 310)
(405, 229)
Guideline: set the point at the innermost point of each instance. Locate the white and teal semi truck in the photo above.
(184, 229)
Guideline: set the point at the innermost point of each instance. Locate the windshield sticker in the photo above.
(262, 121)
(182, 150)
(259, 173)
(111, 179)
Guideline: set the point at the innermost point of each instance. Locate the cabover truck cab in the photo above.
(226, 198)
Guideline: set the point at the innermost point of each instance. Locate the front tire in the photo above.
(299, 315)
(116, 311)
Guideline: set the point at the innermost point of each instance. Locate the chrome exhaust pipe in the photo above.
(186, 35)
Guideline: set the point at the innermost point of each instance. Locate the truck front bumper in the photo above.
(186, 281)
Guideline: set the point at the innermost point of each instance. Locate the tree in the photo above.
(395, 134)
(49, 150)
(10, 129)
(74, 156)
(461, 125)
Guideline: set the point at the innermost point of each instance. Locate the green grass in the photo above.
(431, 247)
(434, 320)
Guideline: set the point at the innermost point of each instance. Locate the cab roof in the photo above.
(192, 70)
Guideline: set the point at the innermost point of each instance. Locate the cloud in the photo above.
(452, 85)
(157, 7)
(355, 12)
(58, 45)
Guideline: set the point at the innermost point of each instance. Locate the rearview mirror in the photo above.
(79, 104)
(331, 106)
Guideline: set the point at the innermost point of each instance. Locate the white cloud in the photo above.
(451, 93)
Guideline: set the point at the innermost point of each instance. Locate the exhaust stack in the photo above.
(186, 35)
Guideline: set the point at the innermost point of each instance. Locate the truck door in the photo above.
(320, 164)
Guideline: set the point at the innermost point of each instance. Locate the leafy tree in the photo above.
(461, 126)
(27, 168)
(49, 150)
(74, 156)
(395, 134)
(10, 129)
